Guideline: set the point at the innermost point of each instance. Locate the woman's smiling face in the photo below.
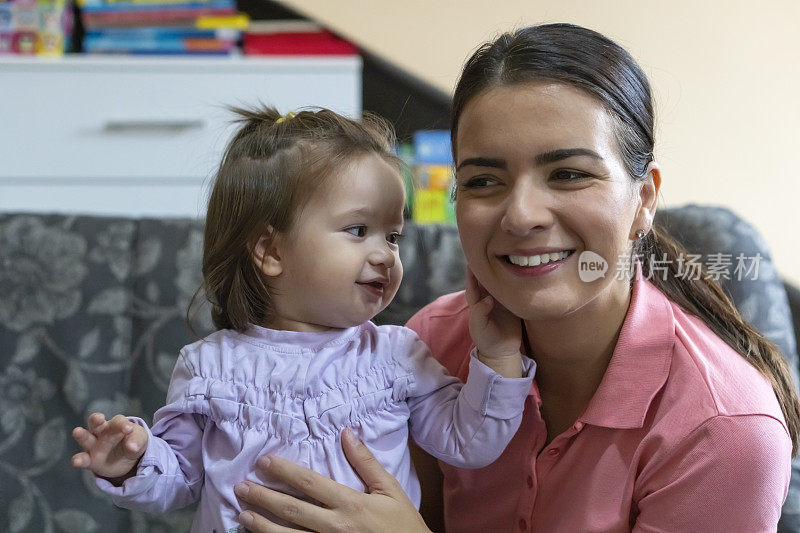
(540, 180)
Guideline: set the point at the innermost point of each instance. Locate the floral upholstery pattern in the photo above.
(93, 314)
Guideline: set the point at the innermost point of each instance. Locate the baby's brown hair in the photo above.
(270, 169)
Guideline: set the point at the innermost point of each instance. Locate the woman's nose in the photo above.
(526, 209)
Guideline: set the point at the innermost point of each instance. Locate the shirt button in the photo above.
(523, 525)
(552, 452)
(530, 482)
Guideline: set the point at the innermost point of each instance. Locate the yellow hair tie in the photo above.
(287, 116)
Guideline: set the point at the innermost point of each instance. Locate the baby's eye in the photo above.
(569, 175)
(359, 230)
(394, 238)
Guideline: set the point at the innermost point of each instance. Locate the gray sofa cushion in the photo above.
(92, 318)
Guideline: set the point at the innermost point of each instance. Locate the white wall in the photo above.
(726, 77)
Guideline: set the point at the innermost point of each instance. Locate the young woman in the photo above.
(655, 407)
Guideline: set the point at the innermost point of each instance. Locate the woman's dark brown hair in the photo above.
(270, 169)
(587, 60)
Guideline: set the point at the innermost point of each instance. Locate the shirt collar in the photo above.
(640, 363)
(298, 341)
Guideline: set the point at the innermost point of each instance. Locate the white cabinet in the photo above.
(141, 136)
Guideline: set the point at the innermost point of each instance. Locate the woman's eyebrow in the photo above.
(557, 155)
(482, 162)
(542, 159)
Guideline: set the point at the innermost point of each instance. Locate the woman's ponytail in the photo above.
(703, 297)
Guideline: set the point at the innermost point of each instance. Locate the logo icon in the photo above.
(591, 266)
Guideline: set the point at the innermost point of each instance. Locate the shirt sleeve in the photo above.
(730, 474)
(170, 473)
(466, 425)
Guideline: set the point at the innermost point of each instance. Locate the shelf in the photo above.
(142, 135)
(238, 63)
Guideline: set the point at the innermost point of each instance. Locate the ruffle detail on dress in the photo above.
(381, 392)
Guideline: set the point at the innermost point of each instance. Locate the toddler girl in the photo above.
(300, 252)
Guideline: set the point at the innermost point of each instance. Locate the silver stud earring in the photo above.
(640, 234)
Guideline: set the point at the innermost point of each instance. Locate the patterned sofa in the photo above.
(92, 315)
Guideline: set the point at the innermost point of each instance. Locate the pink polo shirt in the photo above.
(681, 435)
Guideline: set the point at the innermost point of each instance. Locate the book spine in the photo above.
(321, 43)
(155, 33)
(143, 8)
(171, 17)
(85, 3)
(225, 52)
(158, 46)
(157, 43)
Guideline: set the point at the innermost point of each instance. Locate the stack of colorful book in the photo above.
(31, 27)
(161, 26)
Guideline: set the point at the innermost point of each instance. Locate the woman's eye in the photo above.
(394, 238)
(569, 175)
(478, 182)
(358, 231)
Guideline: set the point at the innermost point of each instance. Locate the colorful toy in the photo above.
(30, 27)
(433, 178)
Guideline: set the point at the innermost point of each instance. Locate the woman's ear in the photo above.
(266, 253)
(648, 200)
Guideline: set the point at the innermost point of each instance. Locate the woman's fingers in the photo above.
(258, 524)
(377, 479)
(287, 507)
(321, 488)
(387, 508)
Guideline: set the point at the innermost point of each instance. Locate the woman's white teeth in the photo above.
(535, 260)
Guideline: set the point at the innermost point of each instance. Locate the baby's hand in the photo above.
(112, 448)
(496, 331)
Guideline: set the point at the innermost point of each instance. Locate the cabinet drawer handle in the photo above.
(143, 126)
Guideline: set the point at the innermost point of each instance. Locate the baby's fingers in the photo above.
(130, 436)
(84, 439)
(500, 312)
(95, 422)
(120, 423)
(81, 460)
(110, 434)
(135, 442)
(474, 290)
(483, 307)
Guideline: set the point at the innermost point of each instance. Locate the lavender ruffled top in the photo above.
(234, 397)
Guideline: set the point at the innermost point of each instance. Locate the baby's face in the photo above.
(342, 263)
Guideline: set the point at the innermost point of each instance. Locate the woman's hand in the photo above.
(496, 331)
(384, 508)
